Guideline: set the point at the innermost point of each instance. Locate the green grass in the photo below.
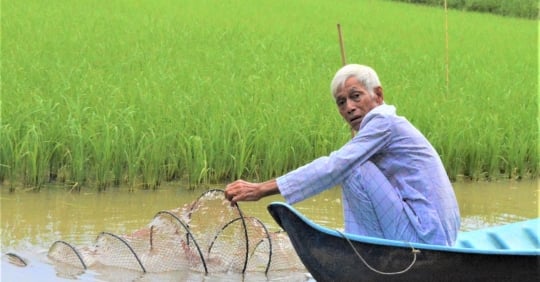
(140, 92)
(512, 8)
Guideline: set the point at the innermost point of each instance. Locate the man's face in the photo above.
(354, 101)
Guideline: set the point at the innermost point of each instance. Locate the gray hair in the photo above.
(364, 74)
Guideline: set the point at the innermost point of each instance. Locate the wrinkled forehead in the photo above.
(350, 85)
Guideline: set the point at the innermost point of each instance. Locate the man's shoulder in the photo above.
(382, 112)
(385, 116)
(379, 117)
(384, 109)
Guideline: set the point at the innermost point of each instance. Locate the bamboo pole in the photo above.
(343, 59)
(341, 46)
(447, 58)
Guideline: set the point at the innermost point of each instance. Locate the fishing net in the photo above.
(65, 253)
(185, 239)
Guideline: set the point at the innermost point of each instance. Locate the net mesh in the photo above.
(66, 253)
(208, 235)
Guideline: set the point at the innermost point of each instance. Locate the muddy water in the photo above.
(31, 222)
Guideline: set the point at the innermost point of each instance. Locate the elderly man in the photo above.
(394, 185)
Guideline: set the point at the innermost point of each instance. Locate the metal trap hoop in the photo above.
(189, 235)
(61, 246)
(120, 239)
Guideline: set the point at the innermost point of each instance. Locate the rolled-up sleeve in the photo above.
(328, 171)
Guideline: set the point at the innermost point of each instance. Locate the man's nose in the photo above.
(350, 107)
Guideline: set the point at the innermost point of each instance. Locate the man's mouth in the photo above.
(355, 122)
(355, 119)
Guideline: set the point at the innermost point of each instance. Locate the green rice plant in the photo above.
(76, 153)
(130, 164)
(8, 156)
(103, 143)
(514, 8)
(33, 157)
(197, 164)
(149, 169)
(136, 93)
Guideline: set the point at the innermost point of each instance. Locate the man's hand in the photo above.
(241, 190)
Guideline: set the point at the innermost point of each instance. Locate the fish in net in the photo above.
(184, 239)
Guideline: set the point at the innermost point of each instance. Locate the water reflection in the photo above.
(496, 203)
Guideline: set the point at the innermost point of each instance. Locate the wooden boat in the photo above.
(504, 253)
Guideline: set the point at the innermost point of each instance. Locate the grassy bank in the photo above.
(512, 8)
(140, 92)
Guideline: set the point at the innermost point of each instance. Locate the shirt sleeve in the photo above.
(328, 171)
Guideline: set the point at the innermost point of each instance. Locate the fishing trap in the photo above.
(185, 239)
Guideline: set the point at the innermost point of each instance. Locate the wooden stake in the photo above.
(341, 46)
(447, 59)
(343, 59)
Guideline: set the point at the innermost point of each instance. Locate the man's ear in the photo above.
(379, 94)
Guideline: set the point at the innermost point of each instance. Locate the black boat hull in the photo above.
(332, 256)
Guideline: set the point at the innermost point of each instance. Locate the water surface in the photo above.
(32, 221)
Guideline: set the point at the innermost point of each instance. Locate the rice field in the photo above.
(122, 92)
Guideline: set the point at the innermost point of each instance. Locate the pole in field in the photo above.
(343, 59)
(447, 59)
(341, 46)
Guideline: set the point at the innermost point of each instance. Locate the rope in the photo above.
(413, 250)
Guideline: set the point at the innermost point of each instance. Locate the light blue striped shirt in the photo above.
(408, 162)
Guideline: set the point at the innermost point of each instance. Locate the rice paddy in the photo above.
(137, 93)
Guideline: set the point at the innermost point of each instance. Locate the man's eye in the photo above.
(340, 102)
